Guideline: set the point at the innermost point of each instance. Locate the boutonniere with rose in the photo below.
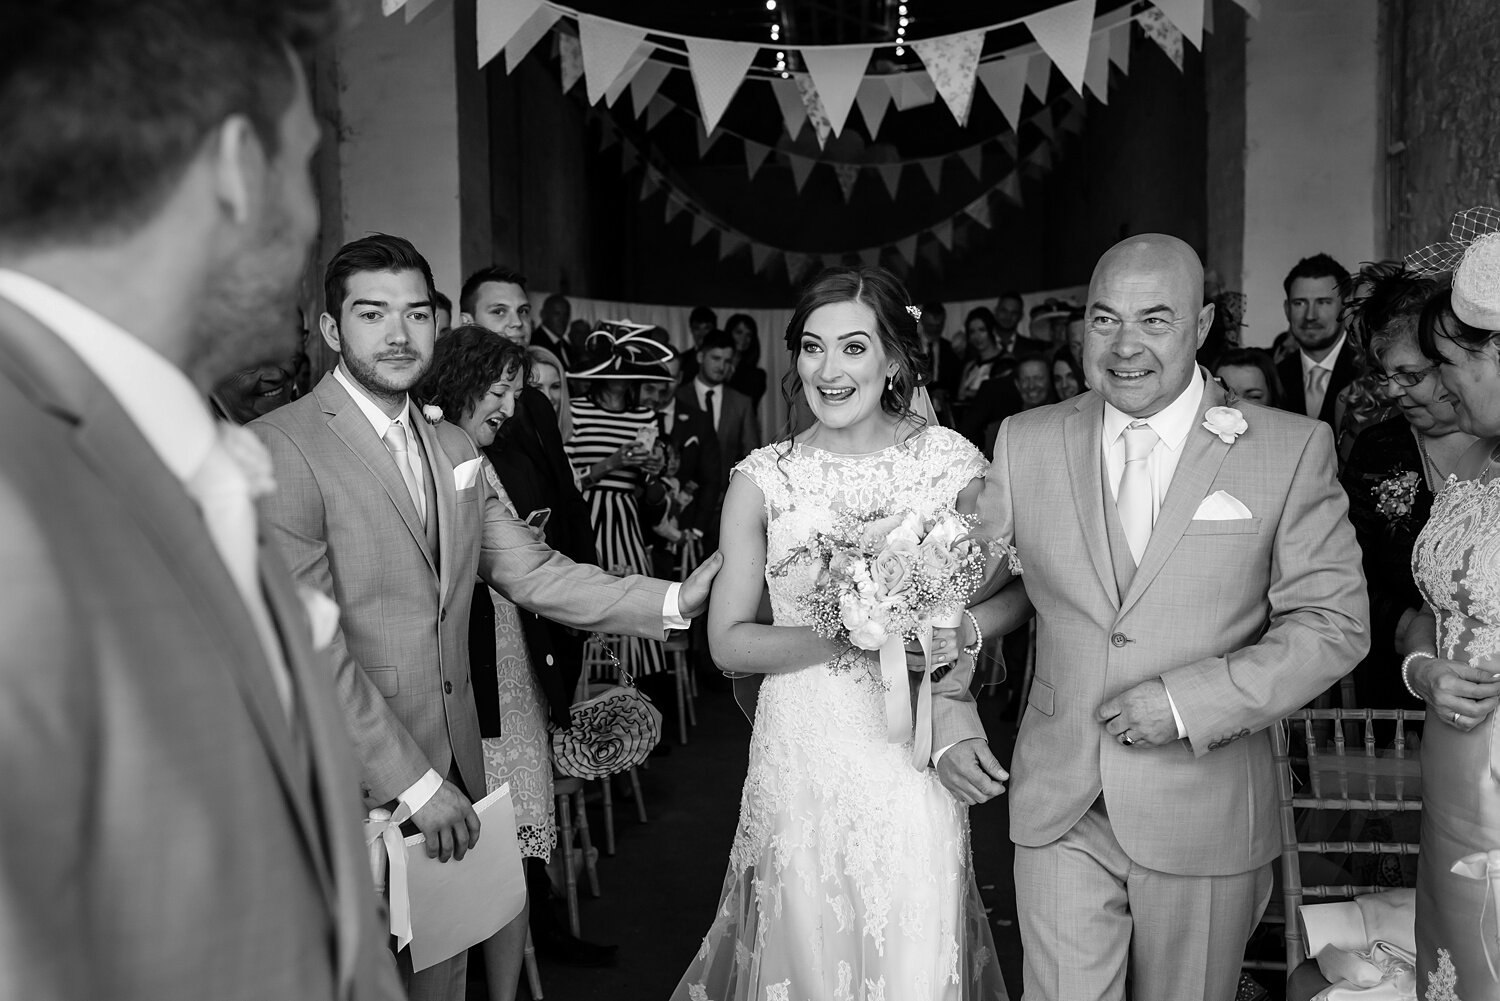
(1226, 422)
(1396, 497)
(433, 415)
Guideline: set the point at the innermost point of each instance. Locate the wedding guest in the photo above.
(443, 309)
(495, 298)
(546, 376)
(365, 484)
(1034, 381)
(1048, 322)
(692, 434)
(180, 818)
(1395, 469)
(1250, 374)
(943, 365)
(253, 391)
(1009, 309)
(1067, 376)
(702, 321)
(1073, 343)
(1314, 375)
(983, 355)
(552, 332)
(727, 411)
(748, 378)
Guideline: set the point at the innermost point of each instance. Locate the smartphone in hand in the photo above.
(538, 518)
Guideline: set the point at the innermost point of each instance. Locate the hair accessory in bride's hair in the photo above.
(915, 311)
(1472, 253)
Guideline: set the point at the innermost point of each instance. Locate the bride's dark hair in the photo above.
(895, 326)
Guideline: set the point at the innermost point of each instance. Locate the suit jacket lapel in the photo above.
(1083, 431)
(353, 429)
(440, 467)
(1202, 455)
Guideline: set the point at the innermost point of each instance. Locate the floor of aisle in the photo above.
(661, 887)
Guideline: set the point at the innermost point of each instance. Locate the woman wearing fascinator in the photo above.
(850, 874)
(1454, 663)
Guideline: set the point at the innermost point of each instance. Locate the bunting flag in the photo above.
(1186, 16)
(645, 84)
(1252, 7)
(847, 173)
(801, 167)
(701, 228)
(674, 206)
(870, 257)
(1096, 72)
(524, 40)
(796, 264)
(1010, 187)
(933, 168)
(650, 183)
(1039, 75)
(415, 8)
(951, 61)
(873, 98)
(1208, 17)
(628, 158)
(836, 75)
(637, 60)
(1063, 33)
(496, 24)
(1005, 81)
(755, 155)
(912, 90)
(571, 53)
(760, 256)
(890, 173)
(1164, 33)
(943, 233)
(657, 110)
(717, 68)
(979, 211)
(973, 158)
(1009, 144)
(812, 107)
(907, 248)
(1119, 46)
(605, 47)
(729, 242)
(789, 98)
(1044, 123)
(389, 7)
(1073, 121)
(706, 141)
(1041, 157)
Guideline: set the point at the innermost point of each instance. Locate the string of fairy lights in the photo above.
(903, 21)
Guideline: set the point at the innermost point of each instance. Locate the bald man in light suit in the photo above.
(1195, 578)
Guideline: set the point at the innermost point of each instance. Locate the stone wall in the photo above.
(1445, 109)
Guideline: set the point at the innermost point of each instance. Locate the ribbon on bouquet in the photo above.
(383, 833)
(898, 712)
(1485, 866)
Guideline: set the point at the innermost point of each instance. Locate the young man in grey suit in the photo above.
(1195, 578)
(181, 817)
(386, 508)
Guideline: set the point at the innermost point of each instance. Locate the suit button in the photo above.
(1118, 639)
(447, 688)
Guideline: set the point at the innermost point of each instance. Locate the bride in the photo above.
(849, 877)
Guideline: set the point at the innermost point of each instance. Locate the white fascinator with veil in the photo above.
(1472, 254)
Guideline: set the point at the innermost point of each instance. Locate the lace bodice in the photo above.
(1457, 568)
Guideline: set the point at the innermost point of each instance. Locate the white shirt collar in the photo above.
(1329, 360)
(377, 418)
(703, 387)
(1171, 423)
(158, 398)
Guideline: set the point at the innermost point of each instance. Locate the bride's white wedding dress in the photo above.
(850, 877)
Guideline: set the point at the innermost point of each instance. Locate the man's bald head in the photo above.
(1145, 322)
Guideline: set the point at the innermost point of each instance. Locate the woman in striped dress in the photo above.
(613, 449)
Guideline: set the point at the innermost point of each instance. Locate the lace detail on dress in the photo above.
(1442, 985)
(1456, 564)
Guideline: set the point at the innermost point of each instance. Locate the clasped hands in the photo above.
(1462, 695)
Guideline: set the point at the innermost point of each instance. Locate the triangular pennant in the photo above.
(389, 7)
(973, 158)
(632, 67)
(628, 158)
(943, 233)
(812, 107)
(1009, 143)
(1186, 16)
(933, 168)
(1010, 187)
(1039, 75)
(801, 167)
(1044, 122)
(789, 99)
(1063, 33)
(912, 90)
(1164, 33)
(979, 211)
(657, 110)
(1005, 81)
(608, 136)
(729, 242)
(571, 53)
(1041, 157)
(414, 8)
(1208, 17)
(1074, 121)
(1119, 45)
(701, 228)
(718, 69)
(644, 85)
(890, 173)
(796, 264)
(837, 74)
(674, 206)
(706, 141)
(950, 61)
(1096, 72)
(755, 155)
(847, 173)
(874, 98)
(650, 183)
(907, 248)
(496, 23)
(1252, 7)
(870, 257)
(606, 46)
(760, 256)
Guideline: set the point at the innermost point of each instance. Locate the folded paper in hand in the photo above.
(1221, 506)
(455, 905)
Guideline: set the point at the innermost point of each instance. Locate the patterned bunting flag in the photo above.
(571, 53)
(847, 173)
(812, 105)
(950, 62)
(1164, 33)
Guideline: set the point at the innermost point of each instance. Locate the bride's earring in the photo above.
(890, 382)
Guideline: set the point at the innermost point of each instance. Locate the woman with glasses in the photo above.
(1396, 466)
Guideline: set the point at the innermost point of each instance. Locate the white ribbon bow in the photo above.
(383, 834)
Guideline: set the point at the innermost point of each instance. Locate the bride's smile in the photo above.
(843, 366)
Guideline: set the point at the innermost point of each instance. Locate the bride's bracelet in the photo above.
(973, 648)
(1406, 671)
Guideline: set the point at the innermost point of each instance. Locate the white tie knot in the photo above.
(1140, 439)
(395, 438)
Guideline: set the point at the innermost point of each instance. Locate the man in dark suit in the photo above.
(697, 444)
(943, 365)
(1009, 310)
(726, 409)
(181, 818)
(552, 334)
(1324, 363)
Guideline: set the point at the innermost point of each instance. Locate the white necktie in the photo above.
(400, 449)
(222, 490)
(1317, 388)
(1134, 500)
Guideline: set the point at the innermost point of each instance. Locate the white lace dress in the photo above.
(850, 875)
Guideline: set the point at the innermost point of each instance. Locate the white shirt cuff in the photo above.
(938, 754)
(1176, 716)
(421, 791)
(671, 613)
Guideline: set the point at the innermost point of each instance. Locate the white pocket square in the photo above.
(465, 474)
(1221, 506)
